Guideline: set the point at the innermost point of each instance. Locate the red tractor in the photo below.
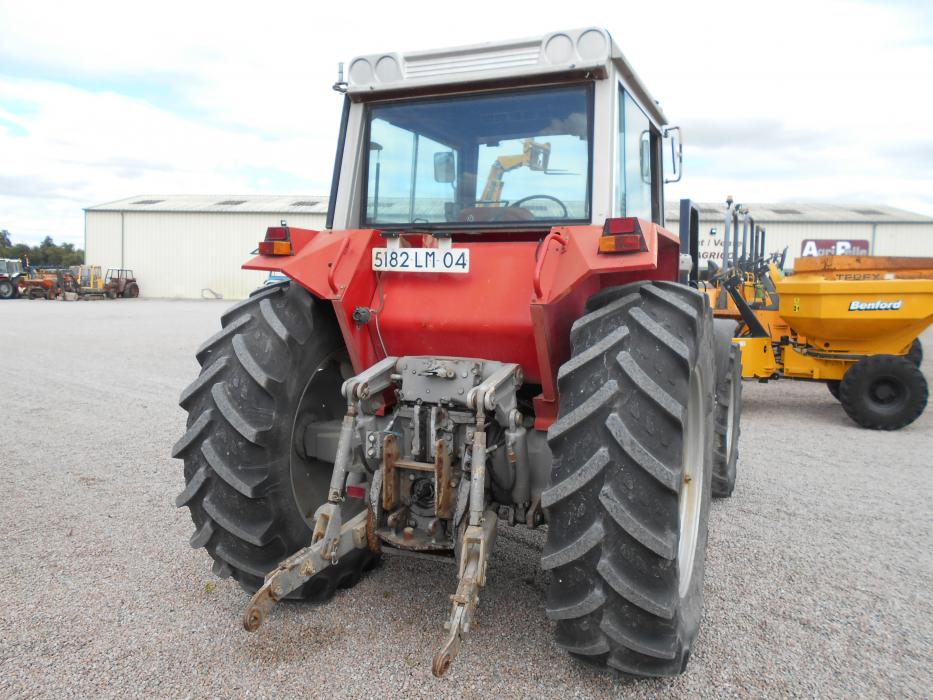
(439, 364)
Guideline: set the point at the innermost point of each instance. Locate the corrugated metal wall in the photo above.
(183, 255)
(885, 239)
(103, 241)
(904, 239)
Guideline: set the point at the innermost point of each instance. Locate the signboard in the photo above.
(833, 246)
(710, 247)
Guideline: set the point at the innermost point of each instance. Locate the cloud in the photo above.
(101, 100)
(29, 187)
(765, 133)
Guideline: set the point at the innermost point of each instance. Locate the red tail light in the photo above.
(356, 492)
(278, 242)
(622, 236)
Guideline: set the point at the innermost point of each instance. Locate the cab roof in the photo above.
(575, 51)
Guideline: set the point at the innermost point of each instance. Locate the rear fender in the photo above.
(517, 291)
(571, 271)
(334, 265)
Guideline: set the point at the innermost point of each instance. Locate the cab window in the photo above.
(633, 160)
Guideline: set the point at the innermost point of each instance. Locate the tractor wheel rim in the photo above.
(887, 392)
(691, 490)
(310, 477)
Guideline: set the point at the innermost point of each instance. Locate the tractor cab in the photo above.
(118, 275)
(530, 134)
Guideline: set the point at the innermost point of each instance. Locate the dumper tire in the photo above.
(833, 386)
(728, 408)
(915, 354)
(634, 433)
(883, 392)
(240, 445)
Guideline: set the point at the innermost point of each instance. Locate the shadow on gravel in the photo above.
(807, 408)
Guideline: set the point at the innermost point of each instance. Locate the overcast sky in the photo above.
(815, 100)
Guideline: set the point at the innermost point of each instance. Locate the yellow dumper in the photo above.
(855, 335)
(849, 321)
(865, 267)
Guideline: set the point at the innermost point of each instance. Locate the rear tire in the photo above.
(883, 392)
(251, 490)
(915, 354)
(728, 409)
(7, 290)
(131, 291)
(629, 495)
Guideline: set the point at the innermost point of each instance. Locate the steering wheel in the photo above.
(563, 206)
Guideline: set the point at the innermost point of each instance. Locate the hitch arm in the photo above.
(477, 544)
(301, 566)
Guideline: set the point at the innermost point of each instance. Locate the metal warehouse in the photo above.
(189, 247)
(811, 228)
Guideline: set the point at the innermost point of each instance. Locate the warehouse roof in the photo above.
(788, 212)
(809, 212)
(205, 203)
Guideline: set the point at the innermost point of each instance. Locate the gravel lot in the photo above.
(818, 583)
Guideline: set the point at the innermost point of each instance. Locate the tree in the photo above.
(46, 254)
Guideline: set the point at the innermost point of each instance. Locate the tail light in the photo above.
(622, 236)
(356, 492)
(277, 242)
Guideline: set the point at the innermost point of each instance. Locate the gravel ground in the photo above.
(818, 582)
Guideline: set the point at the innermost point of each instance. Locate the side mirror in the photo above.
(673, 136)
(444, 167)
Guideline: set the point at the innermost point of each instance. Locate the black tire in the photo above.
(637, 388)
(131, 291)
(250, 491)
(728, 416)
(833, 386)
(7, 290)
(883, 392)
(915, 354)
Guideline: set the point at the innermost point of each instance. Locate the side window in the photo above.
(633, 160)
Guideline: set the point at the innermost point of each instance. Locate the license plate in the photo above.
(421, 260)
